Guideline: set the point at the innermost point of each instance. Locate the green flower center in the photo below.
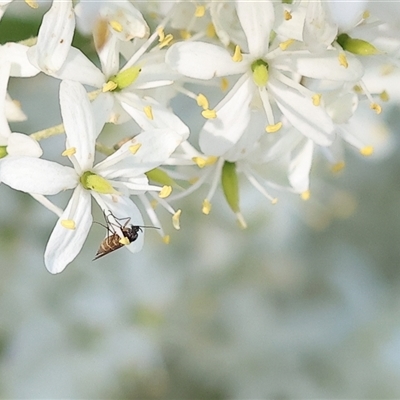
(260, 72)
(3, 151)
(91, 181)
(125, 78)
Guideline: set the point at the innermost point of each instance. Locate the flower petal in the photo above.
(256, 19)
(312, 121)
(5, 130)
(300, 166)
(65, 244)
(80, 127)
(220, 134)
(55, 37)
(23, 145)
(16, 55)
(34, 175)
(202, 60)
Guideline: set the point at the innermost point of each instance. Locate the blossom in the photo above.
(109, 182)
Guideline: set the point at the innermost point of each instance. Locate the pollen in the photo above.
(166, 239)
(305, 195)
(343, 60)
(175, 220)
(125, 241)
(337, 167)
(367, 151)
(109, 86)
(284, 45)
(68, 224)
(165, 192)
(316, 99)
(135, 148)
(206, 207)
(203, 162)
(200, 11)
(149, 112)
(210, 31)
(116, 26)
(237, 55)
(224, 84)
(287, 15)
(273, 128)
(32, 3)
(185, 34)
(166, 41)
(69, 152)
(209, 114)
(202, 101)
(376, 107)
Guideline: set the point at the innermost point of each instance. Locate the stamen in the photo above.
(68, 224)
(224, 84)
(337, 167)
(161, 34)
(165, 192)
(284, 45)
(206, 207)
(135, 148)
(124, 240)
(209, 114)
(166, 41)
(202, 101)
(287, 15)
(32, 3)
(200, 11)
(69, 152)
(384, 96)
(376, 107)
(343, 60)
(203, 162)
(316, 99)
(185, 34)
(237, 56)
(367, 150)
(305, 195)
(149, 112)
(274, 128)
(175, 219)
(166, 239)
(109, 86)
(116, 26)
(210, 30)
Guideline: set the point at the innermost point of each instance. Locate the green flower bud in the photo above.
(230, 185)
(3, 151)
(91, 181)
(356, 46)
(159, 176)
(125, 78)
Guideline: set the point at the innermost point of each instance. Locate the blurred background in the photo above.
(305, 303)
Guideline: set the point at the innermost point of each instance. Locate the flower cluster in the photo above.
(277, 85)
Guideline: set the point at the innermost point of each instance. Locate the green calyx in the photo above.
(356, 46)
(125, 78)
(260, 72)
(161, 177)
(230, 185)
(3, 151)
(91, 181)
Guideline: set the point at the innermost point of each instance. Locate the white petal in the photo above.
(80, 128)
(23, 145)
(123, 207)
(162, 117)
(347, 14)
(16, 55)
(55, 36)
(299, 167)
(313, 122)
(65, 244)
(156, 147)
(102, 107)
(202, 60)
(321, 66)
(4, 127)
(13, 110)
(218, 135)
(256, 19)
(77, 67)
(34, 175)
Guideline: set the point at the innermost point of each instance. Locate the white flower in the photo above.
(265, 75)
(110, 182)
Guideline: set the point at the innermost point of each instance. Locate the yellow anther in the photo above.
(358, 89)
(69, 152)
(205, 162)
(202, 101)
(367, 151)
(154, 204)
(192, 181)
(337, 167)
(274, 201)
(200, 11)
(116, 26)
(284, 45)
(273, 128)
(68, 224)
(316, 99)
(210, 30)
(287, 15)
(384, 96)
(165, 192)
(32, 3)
(224, 84)
(206, 207)
(237, 55)
(125, 241)
(166, 42)
(149, 112)
(175, 220)
(166, 239)
(376, 107)
(209, 114)
(135, 148)
(109, 86)
(185, 34)
(161, 34)
(366, 14)
(305, 195)
(343, 60)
